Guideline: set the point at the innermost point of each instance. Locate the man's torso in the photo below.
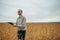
(21, 23)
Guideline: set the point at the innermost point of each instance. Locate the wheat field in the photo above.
(34, 31)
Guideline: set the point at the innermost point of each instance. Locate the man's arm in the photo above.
(16, 23)
(24, 22)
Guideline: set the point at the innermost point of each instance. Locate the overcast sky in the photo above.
(33, 10)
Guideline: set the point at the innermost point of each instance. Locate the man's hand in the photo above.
(15, 25)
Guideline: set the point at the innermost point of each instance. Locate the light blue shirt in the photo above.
(21, 23)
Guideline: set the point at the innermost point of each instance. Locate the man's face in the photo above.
(19, 12)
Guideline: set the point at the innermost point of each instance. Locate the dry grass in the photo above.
(8, 32)
(34, 32)
(43, 32)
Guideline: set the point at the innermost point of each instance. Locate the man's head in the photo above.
(19, 12)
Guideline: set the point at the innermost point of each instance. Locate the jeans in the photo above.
(21, 34)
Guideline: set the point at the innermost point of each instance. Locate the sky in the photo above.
(33, 10)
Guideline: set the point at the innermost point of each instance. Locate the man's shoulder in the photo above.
(24, 17)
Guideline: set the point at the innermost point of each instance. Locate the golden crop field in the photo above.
(35, 31)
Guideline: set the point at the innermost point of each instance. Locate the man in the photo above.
(21, 24)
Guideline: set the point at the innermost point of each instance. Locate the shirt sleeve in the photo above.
(17, 21)
(24, 22)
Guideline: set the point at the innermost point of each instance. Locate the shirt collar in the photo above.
(20, 16)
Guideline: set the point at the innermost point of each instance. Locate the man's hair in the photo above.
(20, 10)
